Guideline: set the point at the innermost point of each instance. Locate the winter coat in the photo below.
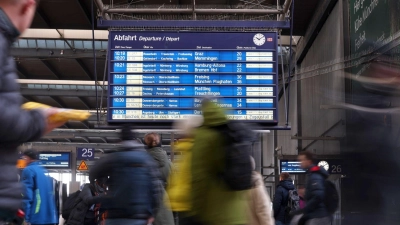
(161, 158)
(281, 199)
(164, 216)
(39, 200)
(17, 125)
(260, 210)
(212, 201)
(315, 193)
(179, 185)
(81, 215)
(134, 186)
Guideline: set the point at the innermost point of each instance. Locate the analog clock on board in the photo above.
(324, 164)
(259, 39)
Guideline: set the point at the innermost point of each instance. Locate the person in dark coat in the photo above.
(83, 213)
(134, 186)
(315, 211)
(17, 125)
(281, 198)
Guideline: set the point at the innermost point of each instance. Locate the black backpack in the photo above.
(331, 197)
(238, 170)
(69, 204)
(293, 204)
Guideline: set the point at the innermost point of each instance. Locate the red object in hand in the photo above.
(20, 213)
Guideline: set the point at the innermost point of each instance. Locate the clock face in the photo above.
(324, 164)
(259, 39)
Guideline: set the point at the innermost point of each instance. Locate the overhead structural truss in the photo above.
(110, 16)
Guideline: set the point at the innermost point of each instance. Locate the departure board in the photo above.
(163, 76)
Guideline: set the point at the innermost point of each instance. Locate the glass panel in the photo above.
(23, 43)
(41, 43)
(87, 44)
(78, 44)
(51, 43)
(105, 44)
(97, 44)
(60, 44)
(32, 43)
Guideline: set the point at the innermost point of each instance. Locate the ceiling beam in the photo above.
(29, 98)
(85, 102)
(85, 69)
(59, 101)
(51, 68)
(22, 71)
(20, 53)
(85, 11)
(44, 17)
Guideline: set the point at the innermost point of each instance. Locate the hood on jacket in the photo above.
(287, 184)
(213, 114)
(318, 169)
(257, 179)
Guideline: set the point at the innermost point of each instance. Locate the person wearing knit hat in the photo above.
(38, 197)
(179, 187)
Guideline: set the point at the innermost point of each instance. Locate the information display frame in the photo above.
(254, 43)
(53, 164)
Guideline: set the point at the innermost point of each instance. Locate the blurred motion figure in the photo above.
(17, 125)
(213, 202)
(260, 210)
(154, 148)
(179, 186)
(315, 212)
(134, 186)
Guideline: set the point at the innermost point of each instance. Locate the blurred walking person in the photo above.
(39, 199)
(17, 125)
(260, 210)
(154, 148)
(315, 212)
(134, 186)
(179, 186)
(281, 199)
(213, 202)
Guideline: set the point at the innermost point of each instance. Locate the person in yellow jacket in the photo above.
(179, 188)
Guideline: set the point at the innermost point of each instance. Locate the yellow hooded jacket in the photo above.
(179, 187)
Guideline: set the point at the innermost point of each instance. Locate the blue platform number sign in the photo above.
(84, 153)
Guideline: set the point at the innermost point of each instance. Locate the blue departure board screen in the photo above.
(163, 76)
(291, 167)
(55, 160)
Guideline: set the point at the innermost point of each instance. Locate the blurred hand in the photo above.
(51, 125)
(150, 220)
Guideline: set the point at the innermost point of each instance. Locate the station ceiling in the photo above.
(76, 14)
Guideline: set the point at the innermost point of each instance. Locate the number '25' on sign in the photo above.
(84, 153)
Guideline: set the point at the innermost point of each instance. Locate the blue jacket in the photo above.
(39, 200)
(315, 193)
(134, 186)
(281, 199)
